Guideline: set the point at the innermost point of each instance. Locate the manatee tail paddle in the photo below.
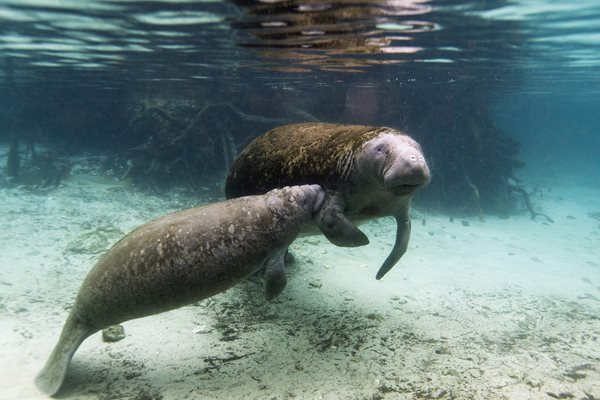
(51, 377)
(402, 237)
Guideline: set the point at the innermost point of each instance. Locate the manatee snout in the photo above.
(310, 197)
(407, 170)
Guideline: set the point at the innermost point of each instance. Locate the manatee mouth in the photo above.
(402, 190)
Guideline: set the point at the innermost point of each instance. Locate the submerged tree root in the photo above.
(184, 142)
(476, 196)
(518, 189)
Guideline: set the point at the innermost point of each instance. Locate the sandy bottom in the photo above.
(501, 309)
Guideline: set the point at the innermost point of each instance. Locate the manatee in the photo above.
(367, 172)
(182, 258)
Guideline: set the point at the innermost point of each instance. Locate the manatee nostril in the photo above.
(412, 158)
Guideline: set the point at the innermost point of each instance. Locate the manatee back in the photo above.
(297, 154)
(181, 258)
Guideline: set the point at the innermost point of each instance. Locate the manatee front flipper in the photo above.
(334, 224)
(274, 274)
(402, 236)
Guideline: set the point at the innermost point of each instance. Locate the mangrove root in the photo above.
(518, 189)
(475, 191)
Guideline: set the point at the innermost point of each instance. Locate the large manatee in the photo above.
(367, 172)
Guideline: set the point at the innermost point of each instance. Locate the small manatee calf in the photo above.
(182, 258)
(368, 172)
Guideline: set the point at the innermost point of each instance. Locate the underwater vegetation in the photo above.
(424, 71)
(25, 163)
(160, 142)
(163, 141)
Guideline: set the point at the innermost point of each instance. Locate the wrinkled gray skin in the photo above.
(182, 258)
(386, 172)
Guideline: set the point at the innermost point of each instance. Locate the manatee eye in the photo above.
(380, 148)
